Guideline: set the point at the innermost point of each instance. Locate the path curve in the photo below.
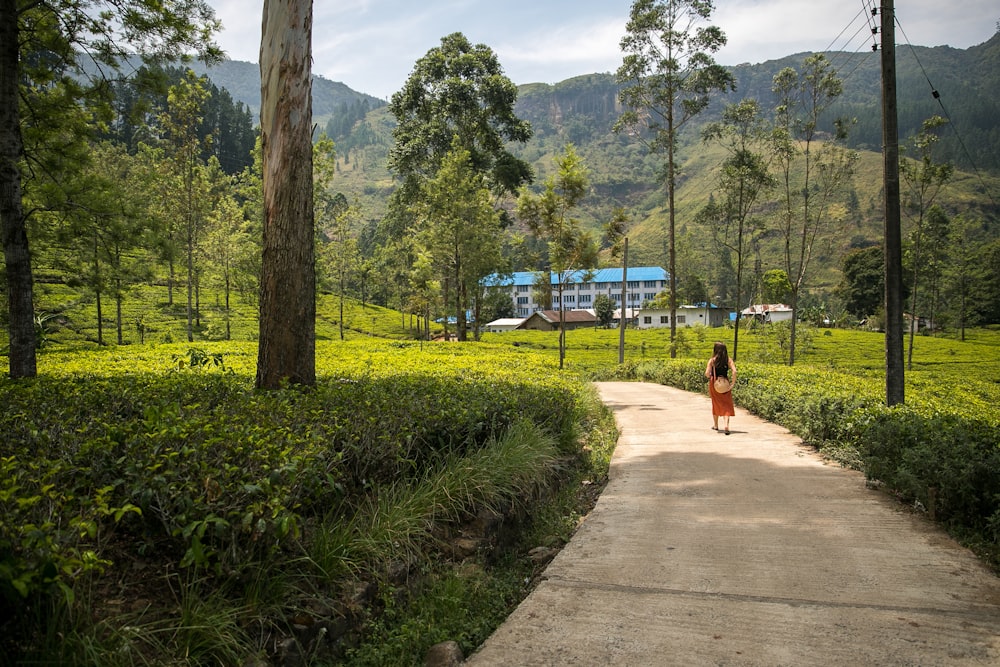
(747, 549)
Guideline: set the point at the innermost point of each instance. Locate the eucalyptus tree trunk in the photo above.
(287, 346)
(14, 232)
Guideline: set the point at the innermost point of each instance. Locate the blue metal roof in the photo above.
(635, 273)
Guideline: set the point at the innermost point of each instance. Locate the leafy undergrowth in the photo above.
(155, 509)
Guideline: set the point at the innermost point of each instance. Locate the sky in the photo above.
(372, 45)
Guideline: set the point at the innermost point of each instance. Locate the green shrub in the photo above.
(948, 463)
(166, 453)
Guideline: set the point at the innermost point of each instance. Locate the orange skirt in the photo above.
(722, 404)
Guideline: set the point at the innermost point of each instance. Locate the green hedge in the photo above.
(939, 450)
(137, 447)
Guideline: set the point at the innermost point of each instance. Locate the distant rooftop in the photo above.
(636, 273)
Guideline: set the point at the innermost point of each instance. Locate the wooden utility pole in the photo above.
(894, 370)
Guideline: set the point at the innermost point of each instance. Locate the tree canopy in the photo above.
(458, 89)
(667, 75)
(41, 47)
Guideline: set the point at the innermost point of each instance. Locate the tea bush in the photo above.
(128, 452)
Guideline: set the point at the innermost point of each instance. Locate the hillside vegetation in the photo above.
(583, 110)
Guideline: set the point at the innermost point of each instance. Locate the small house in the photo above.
(703, 314)
(504, 324)
(548, 320)
(768, 312)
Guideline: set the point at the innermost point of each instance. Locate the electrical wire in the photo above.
(937, 96)
(867, 12)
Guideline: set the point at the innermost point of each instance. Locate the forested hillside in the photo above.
(146, 233)
(584, 109)
(242, 80)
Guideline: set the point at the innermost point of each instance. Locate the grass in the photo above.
(70, 320)
(851, 351)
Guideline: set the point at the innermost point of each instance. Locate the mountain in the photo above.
(583, 110)
(242, 80)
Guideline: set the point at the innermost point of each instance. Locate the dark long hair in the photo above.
(720, 357)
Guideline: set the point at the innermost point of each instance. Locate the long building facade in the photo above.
(644, 283)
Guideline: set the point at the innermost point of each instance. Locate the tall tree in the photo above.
(571, 250)
(922, 178)
(667, 75)
(458, 89)
(247, 261)
(745, 176)
(963, 271)
(340, 251)
(616, 235)
(459, 226)
(327, 204)
(221, 249)
(987, 303)
(180, 123)
(108, 226)
(40, 45)
(425, 291)
(287, 345)
(814, 167)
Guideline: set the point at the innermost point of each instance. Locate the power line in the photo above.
(829, 47)
(867, 27)
(937, 96)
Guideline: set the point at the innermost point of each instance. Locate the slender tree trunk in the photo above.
(476, 312)
(914, 319)
(170, 282)
(961, 316)
(287, 345)
(20, 285)
(341, 318)
(562, 324)
(229, 332)
(739, 295)
(446, 294)
(794, 326)
(116, 266)
(460, 328)
(672, 261)
(197, 298)
(118, 311)
(190, 272)
(97, 293)
(621, 320)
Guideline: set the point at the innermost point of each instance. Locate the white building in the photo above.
(504, 324)
(687, 316)
(643, 284)
(768, 312)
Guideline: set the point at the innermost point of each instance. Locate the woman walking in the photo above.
(721, 374)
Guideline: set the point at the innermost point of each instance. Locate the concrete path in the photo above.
(747, 549)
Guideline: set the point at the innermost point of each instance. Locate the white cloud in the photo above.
(372, 45)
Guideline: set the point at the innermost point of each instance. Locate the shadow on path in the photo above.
(745, 550)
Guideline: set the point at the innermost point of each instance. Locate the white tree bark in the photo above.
(287, 344)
